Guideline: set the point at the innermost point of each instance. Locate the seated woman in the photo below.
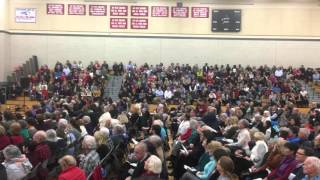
(225, 166)
(288, 163)
(209, 167)
(70, 171)
(152, 167)
(259, 150)
(243, 137)
(4, 139)
(16, 138)
(16, 164)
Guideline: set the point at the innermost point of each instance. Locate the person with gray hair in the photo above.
(16, 164)
(243, 137)
(90, 159)
(311, 168)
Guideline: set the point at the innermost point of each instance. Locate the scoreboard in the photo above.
(226, 20)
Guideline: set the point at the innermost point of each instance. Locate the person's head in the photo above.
(153, 165)
(212, 146)
(304, 152)
(39, 137)
(89, 143)
(303, 133)
(140, 151)
(222, 151)
(243, 123)
(15, 128)
(311, 166)
(67, 161)
(193, 124)
(118, 129)
(51, 135)
(156, 130)
(10, 152)
(290, 149)
(155, 141)
(2, 131)
(100, 137)
(259, 136)
(225, 166)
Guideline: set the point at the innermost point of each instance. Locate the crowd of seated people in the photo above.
(228, 83)
(73, 136)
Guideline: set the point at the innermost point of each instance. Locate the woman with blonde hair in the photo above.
(211, 165)
(102, 144)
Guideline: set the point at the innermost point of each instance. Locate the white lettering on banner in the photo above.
(180, 12)
(76, 9)
(118, 23)
(139, 10)
(97, 10)
(200, 12)
(55, 9)
(117, 10)
(139, 23)
(160, 11)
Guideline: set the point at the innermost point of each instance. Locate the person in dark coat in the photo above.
(210, 118)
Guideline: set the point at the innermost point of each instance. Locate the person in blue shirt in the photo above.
(211, 165)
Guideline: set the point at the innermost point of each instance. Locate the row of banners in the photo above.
(118, 13)
(122, 10)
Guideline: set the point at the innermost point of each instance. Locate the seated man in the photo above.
(90, 159)
(141, 155)
(311, 168)
(301, 155)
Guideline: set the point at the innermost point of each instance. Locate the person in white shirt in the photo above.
(168, 94)
(159, 92)
(279, 72)
(243, 138)
(259, 150)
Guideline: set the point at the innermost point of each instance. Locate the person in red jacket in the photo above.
(69, 169)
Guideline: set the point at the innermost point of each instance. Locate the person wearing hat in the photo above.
(56, 144)
(16, 164)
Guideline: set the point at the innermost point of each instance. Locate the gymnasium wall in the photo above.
(4, 50)
(273, 32)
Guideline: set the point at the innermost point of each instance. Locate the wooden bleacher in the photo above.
(19, 102)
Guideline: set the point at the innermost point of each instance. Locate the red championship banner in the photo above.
(118, 23)
(160, 11)
(200, 12)
(77, 9)
(97, 10)
(142, 11)
(55, 9)
(139, 23)
(117, 10)
(180, 12)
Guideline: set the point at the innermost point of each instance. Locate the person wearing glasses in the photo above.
(301, 155)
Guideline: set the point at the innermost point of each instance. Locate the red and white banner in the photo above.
(55, 9)
(160, 11)
(76, 9)
(142, 11)
(200, 12)
(118, 23)
(117, 10)
(180, 12)
(139, 23)
(97, 10)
